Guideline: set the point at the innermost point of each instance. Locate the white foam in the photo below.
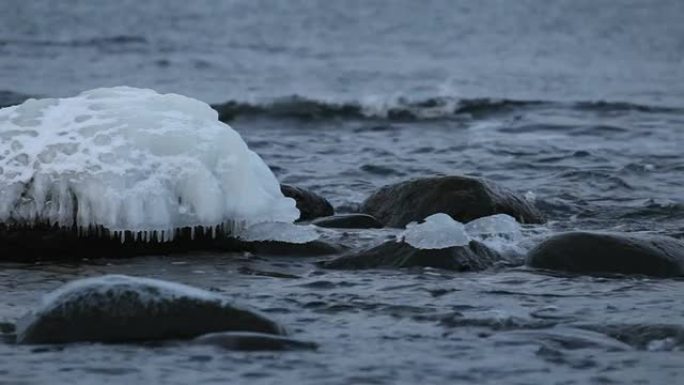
(279, 232)
(131, 159)
(438, 231)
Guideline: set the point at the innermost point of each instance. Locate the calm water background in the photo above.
(579, 103)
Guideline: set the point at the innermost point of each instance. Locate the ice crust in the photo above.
(439, 231)
(499, 225)
(130, 159)
(104, 291)
(279, 232)
(148, 290)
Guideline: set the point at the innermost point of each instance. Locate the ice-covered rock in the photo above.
(473, 256)
(119, 308)
(438, 231)
(131, 159)
(499, 225)
(500, 232)
(279, 232)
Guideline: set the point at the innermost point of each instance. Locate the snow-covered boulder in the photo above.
(131, 162)
(119, 308)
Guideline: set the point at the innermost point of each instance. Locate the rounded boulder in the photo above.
(119, 308)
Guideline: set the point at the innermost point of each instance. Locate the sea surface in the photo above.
(576, 104)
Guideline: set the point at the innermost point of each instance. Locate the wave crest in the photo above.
(433, 108)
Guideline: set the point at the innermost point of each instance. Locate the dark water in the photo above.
(577, 103)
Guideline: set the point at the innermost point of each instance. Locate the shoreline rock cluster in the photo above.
(119, 309)
(463, 198)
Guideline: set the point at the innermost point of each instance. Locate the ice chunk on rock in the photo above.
(500, 232)
(131, 159)
(499, 225)
(438, 231)
(279, 232)
(119, 308)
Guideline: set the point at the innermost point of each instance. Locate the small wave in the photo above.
(100, 41)
(405, 109)
(622, 106)
(651, 337)
(655, 210)
(398, 109)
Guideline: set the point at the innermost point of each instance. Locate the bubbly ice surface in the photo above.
(438, 231)
(500, 232)
(131, 159)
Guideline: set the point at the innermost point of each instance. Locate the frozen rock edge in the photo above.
(131, 160)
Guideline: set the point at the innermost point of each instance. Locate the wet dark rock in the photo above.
(310, 205)
(473, 257)
(118, 308)
(463, 198)
(6, 328)
(43, 242)
(349, 221)
(245, 341)
(613, 253)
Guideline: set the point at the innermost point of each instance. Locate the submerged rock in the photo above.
(119, 308)
(348, 221)
(474, 256)
(246, 341)
(312, 248)
(463, 198)
(613, 253)
(310, 204)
